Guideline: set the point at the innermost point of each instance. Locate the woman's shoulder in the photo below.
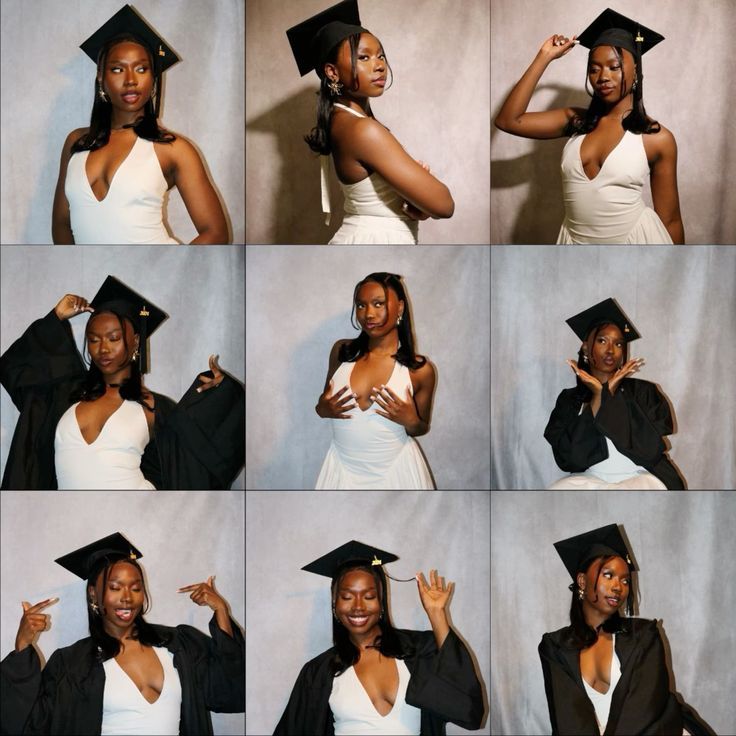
(661, 142)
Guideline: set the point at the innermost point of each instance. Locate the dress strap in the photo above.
(349, 109)
(324, 162)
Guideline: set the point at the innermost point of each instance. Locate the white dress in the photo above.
(112, 461)
(369, 451)
(354, 712)
(373, 213)
(608, 208)
(602, 701)
(126, 711)
(131, 212)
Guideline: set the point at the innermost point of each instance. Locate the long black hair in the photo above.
(319, 139)
(387, 642)
(101, 119)
(580, 634)
(636, 121)
(405, 355)
(94, 383)
(108, 646)
(583, 392)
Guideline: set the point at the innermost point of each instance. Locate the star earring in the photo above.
(335, 87)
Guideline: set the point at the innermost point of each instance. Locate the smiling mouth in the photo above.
(131, 97)
(124, 614)
(615, 602)
(358, 621)
(104, 361)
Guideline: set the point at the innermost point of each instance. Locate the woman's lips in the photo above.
(357, 621)
(124, 614)
(130, 98)
(614, 602)
(605, 90)
(379, 82)
(104, 361)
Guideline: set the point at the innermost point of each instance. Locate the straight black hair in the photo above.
(387, 642)
(108, 646)
(319, 139)
(101, 118)
(636, 121)
(405, 355)
(584, 393)
(580, 634)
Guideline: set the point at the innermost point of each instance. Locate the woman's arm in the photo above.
(61, 223)
(379, 151)
(513, 117)
(423, 380)
(200, 198)
(435, 598)
(664, 185)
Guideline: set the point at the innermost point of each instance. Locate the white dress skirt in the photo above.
(369, 451)
(609, 207)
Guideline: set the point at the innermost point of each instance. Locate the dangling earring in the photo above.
(581, 594)
(585, 357)
(335, 614)
(94, 607)
(633, 86)
(335, 87)
(398, 321)
(101, 92)
(135, 354)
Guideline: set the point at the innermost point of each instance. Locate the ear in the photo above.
(581, 580)
(401, 308)
(331, 72)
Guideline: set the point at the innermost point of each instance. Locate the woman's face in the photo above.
(127, 77)
(605, 72)
(357, 602)
(607, 350)
(105, 342)
(613, 585)
(374, 315)
(122, 600)
(370, 67)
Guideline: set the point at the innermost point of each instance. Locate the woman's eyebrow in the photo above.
(102, 334)
(120, 61)
(353, 590)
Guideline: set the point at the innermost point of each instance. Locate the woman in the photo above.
(604, 673)
(391, 387)
(386, 191)
(378, 679)
(114, 174)
(101, 428)
(614, 145)
(177, 673)
(608, 429)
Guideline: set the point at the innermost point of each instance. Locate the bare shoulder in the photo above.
(424, 375)
(73, 137)
(663, 140)
(148, 398)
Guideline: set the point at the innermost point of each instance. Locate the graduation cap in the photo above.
(352, 552)
(313, 39)
(613, 29)
(604, 541)
(115, 296)
(83, 560)
(606, 311)
(127, 21)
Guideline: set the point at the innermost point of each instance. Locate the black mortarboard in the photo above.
(606, 311)
(613, 29)
(607, 540)
(351, 552)
(313, 39)
(146, 317)
(128, 21)
(82, 561)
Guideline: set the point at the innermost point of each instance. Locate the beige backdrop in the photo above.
(687, 87)
(438, 109)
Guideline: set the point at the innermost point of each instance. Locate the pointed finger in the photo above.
(188, 587)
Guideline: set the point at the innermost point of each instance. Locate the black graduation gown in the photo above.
(443, 685)
(635, 418)
(199, 443)
(66, 697)
(641, 705)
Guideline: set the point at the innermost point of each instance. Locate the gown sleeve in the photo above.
(199, 443)
(20, 674)
(443, 683)
(39, 371)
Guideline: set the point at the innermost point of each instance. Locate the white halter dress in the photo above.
(373, 211)
(112, 461)
(609, 207)
(369, 451)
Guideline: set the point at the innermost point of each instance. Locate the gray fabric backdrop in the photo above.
(47, 88)
(448, 531)
(184, 538)
(692, 101)
(298, 302)
(684, 546)
(437, 107)
(201, 289)
(682, 301)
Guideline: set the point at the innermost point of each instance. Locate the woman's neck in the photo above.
(359, 104)
(386, 345)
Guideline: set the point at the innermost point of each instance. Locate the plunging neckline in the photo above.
(610, 669)
(350, 386)
(112, 178)
(102, 428)
(163, 679)
(396, 694)
(603, 163)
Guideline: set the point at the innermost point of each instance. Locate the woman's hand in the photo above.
(335, 406)
(557, 46)
(590, 381)
(218, 376)
(626, 369)
(409, 209)
(32, 622)
(204, 594)
(401, 412)
(436, 595)
(70, 305)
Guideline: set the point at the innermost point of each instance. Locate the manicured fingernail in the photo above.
(199, 390)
